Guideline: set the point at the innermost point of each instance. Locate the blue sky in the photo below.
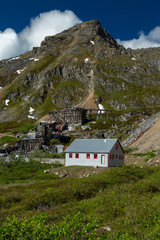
(122, 18)
(128, 20)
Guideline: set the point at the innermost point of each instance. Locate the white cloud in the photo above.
(46, 24)
(144, 41)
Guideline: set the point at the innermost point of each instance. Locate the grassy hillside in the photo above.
(122, 203)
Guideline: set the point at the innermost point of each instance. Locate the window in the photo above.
(95, 156)
(77, 155)
(116, 147)
(70, 155)
(116, 155)
(122, 156)
(119, 157)
(88, 155)
(112, 156)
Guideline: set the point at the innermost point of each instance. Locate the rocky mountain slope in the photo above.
(67, 67)
(149, 140)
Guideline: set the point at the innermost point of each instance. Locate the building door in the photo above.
(102, 159)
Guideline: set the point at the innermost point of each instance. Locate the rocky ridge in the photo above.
(67, 67)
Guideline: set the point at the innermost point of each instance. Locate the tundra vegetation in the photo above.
(122, 203)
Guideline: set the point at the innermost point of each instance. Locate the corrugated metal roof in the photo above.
(91, 145)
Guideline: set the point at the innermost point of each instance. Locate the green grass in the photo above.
(102, 123)
(17, 171)
(46, 154)
(17, 126)
(42, 64)
(47, 106)
(25, 128)
(129, 150)
(126, 199)
(147, 155)
(9, 126)
(7, 78)
(7, 139)
(69, 83)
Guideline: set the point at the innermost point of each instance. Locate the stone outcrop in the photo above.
(67, 67)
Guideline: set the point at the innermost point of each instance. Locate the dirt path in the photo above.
(6, 186)
(89, 102)
(150, 140)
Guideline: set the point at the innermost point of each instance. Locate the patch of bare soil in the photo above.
(150, 140)
(6, 186)
(6, 134)
(76, 171)
(89, 102)
(45, 118)
(142, 161)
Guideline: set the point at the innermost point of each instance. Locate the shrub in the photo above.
(76, 227)
(21, 171)
(8, 139)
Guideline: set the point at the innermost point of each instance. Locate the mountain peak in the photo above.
(80, 34)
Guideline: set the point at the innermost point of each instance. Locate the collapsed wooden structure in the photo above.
(80, 115)
(47, 130)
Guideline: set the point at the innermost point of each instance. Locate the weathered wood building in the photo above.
(70, 115)
(79, 115)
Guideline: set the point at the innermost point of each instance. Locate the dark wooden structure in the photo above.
(80, 115)
(99, 113)
(31, 144)
(45, 129)
(71, 115)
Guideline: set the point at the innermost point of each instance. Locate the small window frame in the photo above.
(116, 146)
(88, 155)
(76, 155)
(95, 156)
(70, 155)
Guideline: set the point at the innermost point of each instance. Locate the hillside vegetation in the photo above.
(122, 203)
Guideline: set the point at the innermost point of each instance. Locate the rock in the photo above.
(99, 134)
(146, 124)
(107, 228)
(71, 128)
(86, 127)
(62, 175)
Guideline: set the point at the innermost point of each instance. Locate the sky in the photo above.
(24, 24)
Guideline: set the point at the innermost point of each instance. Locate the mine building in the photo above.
(71, 115)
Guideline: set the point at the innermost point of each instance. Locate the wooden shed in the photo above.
(95, 152)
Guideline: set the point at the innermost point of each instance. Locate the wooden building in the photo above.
(95, 152)
(71, 115)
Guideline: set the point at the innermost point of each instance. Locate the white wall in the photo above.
(83, 161)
